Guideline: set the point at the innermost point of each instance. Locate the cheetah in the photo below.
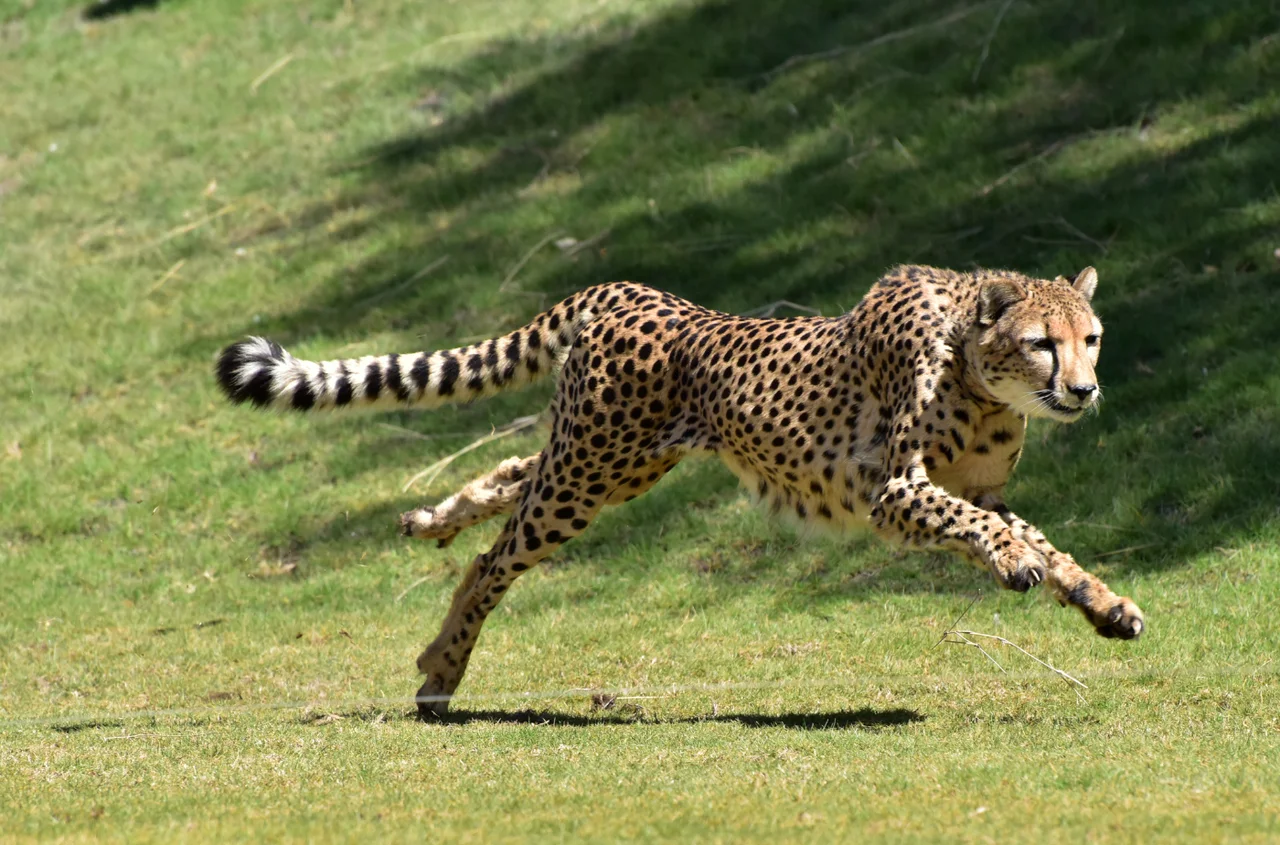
(908, 413)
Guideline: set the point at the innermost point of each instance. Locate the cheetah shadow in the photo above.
(867, 719)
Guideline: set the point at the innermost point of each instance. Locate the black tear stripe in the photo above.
(372, 382)
(449, 370)
(420, 374)
(394, 380)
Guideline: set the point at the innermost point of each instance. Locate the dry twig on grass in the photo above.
(986, 45)
(1046, 153)
(887, 38)
(588, 243)
(430, 473)
(270, 72)
(411, 587)
(169, 274)
(772, 308)
(957, 636)
(405, 285)
(519, 265)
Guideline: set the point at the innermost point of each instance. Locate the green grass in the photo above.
(155, 205)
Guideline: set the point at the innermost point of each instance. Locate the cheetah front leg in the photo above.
(482, 499)
(1112, 615)
(911, 510)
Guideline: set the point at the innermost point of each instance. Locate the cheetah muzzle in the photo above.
(908, 413)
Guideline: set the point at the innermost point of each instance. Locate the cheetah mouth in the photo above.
(1050, 403)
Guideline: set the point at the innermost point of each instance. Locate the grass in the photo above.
(208, 623)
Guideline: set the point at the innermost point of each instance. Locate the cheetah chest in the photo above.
(990, 453)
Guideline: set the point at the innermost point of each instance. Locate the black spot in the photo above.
(1002, 436)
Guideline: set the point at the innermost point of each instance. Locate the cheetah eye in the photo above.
(1091, 340)
(1043, 343)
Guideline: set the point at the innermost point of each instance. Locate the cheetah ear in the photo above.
(995, 297)
(1086, 283)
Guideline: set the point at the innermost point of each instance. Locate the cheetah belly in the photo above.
(842, 503)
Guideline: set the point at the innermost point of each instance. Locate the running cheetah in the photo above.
(908, 413)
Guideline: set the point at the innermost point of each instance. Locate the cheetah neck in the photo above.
(974, 385)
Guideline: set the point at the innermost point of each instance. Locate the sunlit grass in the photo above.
(208, 620)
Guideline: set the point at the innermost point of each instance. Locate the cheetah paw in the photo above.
(1123, 621)
(425, 524)
(432, 700)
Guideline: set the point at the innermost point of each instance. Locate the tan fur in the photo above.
(909, 413)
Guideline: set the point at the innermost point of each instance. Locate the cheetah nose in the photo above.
(1083, 392)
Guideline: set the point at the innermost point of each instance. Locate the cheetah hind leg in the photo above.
(526, 539)
(532, 533)
(483, 498)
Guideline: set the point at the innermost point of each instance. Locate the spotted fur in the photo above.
(908, 413)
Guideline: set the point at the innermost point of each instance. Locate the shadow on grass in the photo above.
(743, 151)
(77, 727)
(865, 719)
(105, 9)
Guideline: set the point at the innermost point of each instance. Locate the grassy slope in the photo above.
(181, 208)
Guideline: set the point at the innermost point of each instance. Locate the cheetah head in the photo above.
(1035, 344)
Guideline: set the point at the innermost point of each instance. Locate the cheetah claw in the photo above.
(1024, 578)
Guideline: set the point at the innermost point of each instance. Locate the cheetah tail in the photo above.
(260, 371)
